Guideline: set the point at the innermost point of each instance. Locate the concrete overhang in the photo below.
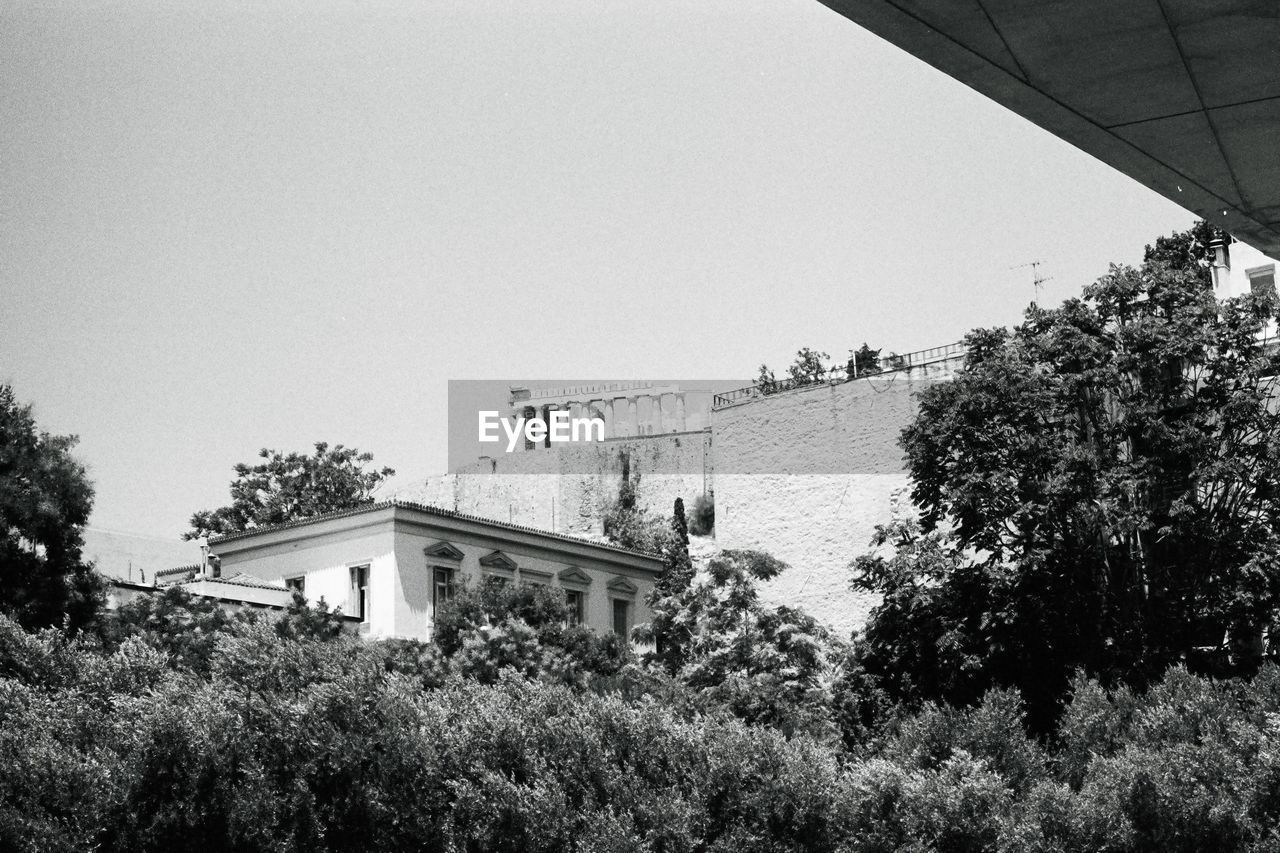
(1181, 95)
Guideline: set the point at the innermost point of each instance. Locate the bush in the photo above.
(288, 740)
(497, 626)
(703, 520)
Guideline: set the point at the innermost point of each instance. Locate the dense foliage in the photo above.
(45, 499)
(1098, 489)
(283, 739)
(290, 487)
(498, 626)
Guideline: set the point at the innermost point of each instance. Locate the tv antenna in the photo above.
(1037, 280)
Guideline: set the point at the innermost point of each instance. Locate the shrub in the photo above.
(993, 732)
(291, 740)
(525, 628)
(703, 520)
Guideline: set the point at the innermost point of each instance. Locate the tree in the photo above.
(292, 487)
(863, 361)
(45, 500)
(666, 631)
(809, 367)
(766, 382)
(768, 665)
(1107, 477)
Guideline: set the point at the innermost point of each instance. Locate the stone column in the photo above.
(633, 416)
(662, 413)
(529, 412)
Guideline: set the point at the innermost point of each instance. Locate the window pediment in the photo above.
(622, 586)
(443, 551)
(498, 560)
(574, 575)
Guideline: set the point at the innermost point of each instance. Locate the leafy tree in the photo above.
(290, 487)
(809, 367)
(669, 636)
(767, 382)
(1186, 250)
(45, 499)
(863, 361)
(768, 665)
(1107, 476)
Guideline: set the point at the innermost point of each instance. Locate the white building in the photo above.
(391, 564)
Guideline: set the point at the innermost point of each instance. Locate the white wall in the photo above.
(400, 573)
(325, 562)
(806, 476)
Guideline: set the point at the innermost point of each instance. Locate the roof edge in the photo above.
(428, 509)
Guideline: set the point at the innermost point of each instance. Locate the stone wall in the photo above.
(566, 488)
(807, 475)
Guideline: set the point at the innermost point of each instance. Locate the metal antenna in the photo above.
(1036, 279)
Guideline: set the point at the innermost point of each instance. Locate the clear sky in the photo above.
(225, 226)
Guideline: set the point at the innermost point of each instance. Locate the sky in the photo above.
(227, 226)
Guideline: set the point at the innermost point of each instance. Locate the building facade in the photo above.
(391, 565)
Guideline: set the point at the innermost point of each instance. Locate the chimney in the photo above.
(1220, 263)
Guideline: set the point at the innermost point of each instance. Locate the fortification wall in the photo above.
(806, 475)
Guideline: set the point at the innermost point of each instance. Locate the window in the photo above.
(298, 585)
(621, 617)
(441, 587)
(360, 592)
(535, 577)
(1262, 281)
(576, 599)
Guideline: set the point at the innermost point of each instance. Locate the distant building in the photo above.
(391, 565)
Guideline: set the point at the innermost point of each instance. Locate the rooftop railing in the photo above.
(891, 363)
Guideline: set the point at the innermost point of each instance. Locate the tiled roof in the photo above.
(430, 510)
(242, 579)
(165, 576)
